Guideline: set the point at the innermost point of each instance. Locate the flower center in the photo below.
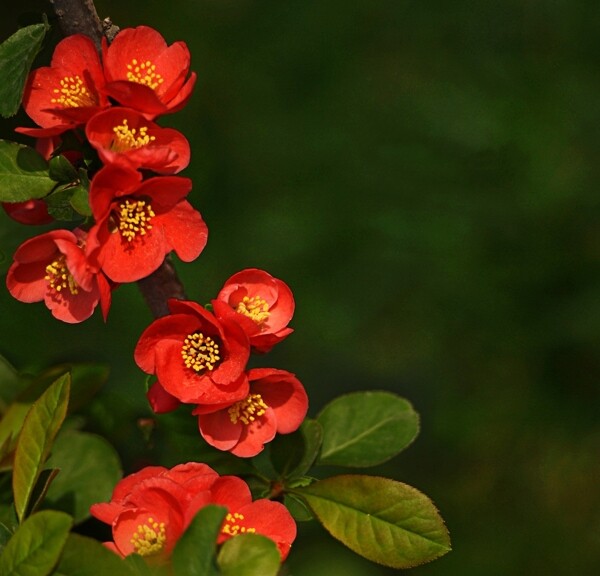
(144, 73)
(150, 538)
(255, 308)
(200, 352)
(232, 526)
(73, 93)
(127, 138)
(248, 409)
(134, 218)
(59, 277)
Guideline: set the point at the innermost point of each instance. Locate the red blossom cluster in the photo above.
(150, 509)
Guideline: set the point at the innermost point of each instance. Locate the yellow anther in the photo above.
(73, 93)
(144, 73)
(232, 526)
(134, 218)
(150, 538)
(200, 352)
(59, 277)
(248, 409)
(254, 308)
(127, 138)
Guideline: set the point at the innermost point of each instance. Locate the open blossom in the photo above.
(68, 92)
(262, 305)
(139, 222)
(276, 403)
(53, 267)
(150, 509)
(124, 135)
(196, 357)
(145, 74)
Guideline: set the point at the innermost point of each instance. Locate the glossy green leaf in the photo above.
(16, 57)
(59, 204)
(84, 556)
(195, 551)
(61, 170)
(366, 428)
(381, 519)
(10, 426)
(80, 200)
(23, 173)
(297, 508)
(294, 454)
(41, 425)
(9, 383)
(36, 546)
(41, 487)
(249, 555)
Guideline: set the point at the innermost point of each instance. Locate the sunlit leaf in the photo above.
(381, 519)
(249, 555)
(366, 428)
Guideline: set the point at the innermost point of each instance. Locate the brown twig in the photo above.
(80, 17)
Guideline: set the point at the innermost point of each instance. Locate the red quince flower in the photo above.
(139, 222)
(68, 92)
(145, 74)
(196, 357)
(53, 267)
(122, 134)
(28, 212)
(276, 403)
(264, 306)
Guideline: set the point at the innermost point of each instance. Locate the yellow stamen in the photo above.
(73, 93)
(150, 538)
(231, 526)
(200, 352)
(144, 73)
(127, 138)
(254, 308)
(247, 410)
(134, 218)
(59, 277)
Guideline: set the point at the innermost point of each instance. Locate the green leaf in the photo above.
(87, 557)
(23, 173)
(41, 487)
(297, 508)
(381, 519)
(9, 382)
(41, 425)
(194, 553)
(80, 200)
(59, 204)
(249, 555)
(89, 469)
(16, 57)
(35, 547)
(293, 454)
(10, 426)
(366, 428)
(61, 170)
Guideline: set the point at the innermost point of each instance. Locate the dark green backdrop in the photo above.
(424, 175)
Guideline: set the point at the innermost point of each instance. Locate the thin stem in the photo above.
(79, 17)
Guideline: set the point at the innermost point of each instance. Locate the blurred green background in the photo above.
(424, 175)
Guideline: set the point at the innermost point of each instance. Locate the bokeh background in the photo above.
(424, 175)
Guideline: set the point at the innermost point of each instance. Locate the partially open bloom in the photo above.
(124, 135)
(139, 223)
(150, 509)
(261, 304)
(28, 212)
(145, 74)
(68, 92)
(196, 357)
(53, 267)
(276, 403)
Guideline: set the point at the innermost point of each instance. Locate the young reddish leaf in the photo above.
(249, 555)
(23, 173)
(36, 546)
(41, 425)
(383, 520)
(366, 428)
(16, 56)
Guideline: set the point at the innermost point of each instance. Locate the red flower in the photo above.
(139, 223)
(264, 306)
(28, 212)
(196, 357)
(122, 134)
(53, 267)
(276, 403)
(145, 74)
(68, 92)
